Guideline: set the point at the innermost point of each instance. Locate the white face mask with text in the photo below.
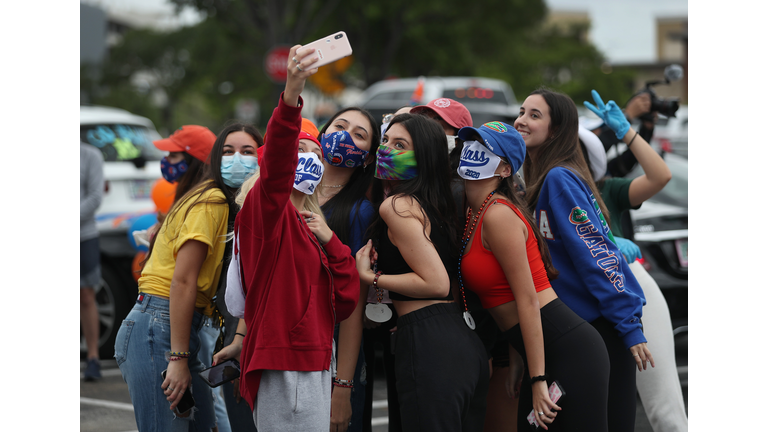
(309, 172)
(477, 162)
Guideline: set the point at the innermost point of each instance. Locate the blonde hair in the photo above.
(310, 203)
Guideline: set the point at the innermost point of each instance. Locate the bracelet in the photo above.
(343, 383)
(376, 279)
(174, 358)
(633, 138)
(236, 333)
(182, 354)
(539, 378)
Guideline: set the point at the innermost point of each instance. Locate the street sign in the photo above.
(275, 63)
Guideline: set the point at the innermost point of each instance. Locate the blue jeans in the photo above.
(140, 346)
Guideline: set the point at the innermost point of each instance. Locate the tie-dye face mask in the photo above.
(395, 164)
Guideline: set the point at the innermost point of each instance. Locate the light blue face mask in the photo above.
(236, 169)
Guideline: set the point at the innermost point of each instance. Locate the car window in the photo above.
(392, 96)
(121, 142)
(475, 94)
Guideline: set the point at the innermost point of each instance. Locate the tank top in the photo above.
(482, 273)
(390, 260)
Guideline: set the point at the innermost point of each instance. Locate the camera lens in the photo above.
(338, 36)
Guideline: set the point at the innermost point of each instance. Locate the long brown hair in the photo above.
(507, 189)
(562, 150)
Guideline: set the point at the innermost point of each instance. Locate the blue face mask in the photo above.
(172, 172)
(236, 169)
(341, 151)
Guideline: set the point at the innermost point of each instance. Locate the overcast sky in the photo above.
(624, 30)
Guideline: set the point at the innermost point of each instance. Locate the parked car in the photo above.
(661, 232)
(131, 167)
(671, 133)
(486, 99)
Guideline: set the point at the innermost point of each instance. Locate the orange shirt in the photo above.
(482, 273)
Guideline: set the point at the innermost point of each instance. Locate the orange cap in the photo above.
(195, 140)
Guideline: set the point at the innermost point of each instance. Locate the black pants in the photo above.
(576, 357)
(622, 388)
(372, 338)
(442, 371)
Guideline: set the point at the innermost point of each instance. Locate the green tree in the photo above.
(196, 74)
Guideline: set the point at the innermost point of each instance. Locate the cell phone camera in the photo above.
(327, 41)
(338, 36)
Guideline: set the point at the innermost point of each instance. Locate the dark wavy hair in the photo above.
(562, 149)
(211, 170)
(432, 186)
(341, 205)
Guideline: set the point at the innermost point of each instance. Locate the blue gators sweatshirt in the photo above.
(595, 279)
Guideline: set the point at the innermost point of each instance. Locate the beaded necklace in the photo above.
(465, 240)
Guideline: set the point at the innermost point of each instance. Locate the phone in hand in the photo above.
(329, 49)
(555, 393)
(223, 372)
(187, 402)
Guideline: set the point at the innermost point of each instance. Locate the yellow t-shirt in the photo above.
(206, 223)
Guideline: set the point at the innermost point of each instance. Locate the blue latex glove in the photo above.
(630, 250)
(611, 114)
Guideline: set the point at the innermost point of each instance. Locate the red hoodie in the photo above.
(294, 292)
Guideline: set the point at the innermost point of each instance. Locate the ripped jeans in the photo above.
(140, 346)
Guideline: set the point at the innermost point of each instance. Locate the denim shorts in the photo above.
(90, 265)
(140, 347)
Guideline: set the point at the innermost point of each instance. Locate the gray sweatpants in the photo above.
(301, 400)
(659, 387)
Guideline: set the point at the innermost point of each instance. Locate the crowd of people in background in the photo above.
(488, 261)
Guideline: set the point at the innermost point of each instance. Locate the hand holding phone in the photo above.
(223, 372)
(555, 393)
(186, 403)
(329, 49)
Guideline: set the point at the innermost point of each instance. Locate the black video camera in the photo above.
(669, 106)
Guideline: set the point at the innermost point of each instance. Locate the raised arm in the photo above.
(280, 157)
(657, 173)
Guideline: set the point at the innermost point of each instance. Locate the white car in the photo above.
(487, 99)
(131, 167)
(660, 228)
(671, 133)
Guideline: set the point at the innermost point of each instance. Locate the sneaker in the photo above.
(92, 370)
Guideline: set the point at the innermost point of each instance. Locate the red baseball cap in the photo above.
(195, 140)
(454, 113)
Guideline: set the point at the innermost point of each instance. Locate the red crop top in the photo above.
(482, 273)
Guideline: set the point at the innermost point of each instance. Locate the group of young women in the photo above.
(324, 215)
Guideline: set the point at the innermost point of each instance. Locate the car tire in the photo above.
(113, 304)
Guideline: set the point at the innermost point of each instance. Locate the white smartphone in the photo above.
(555, 393)
(329, 49)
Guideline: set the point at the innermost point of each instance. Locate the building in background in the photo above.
(671, 48)
(568, 20)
